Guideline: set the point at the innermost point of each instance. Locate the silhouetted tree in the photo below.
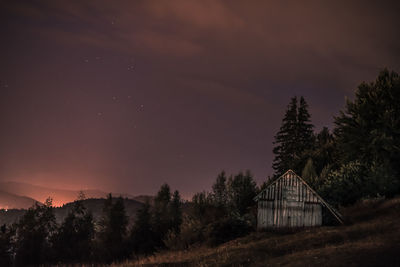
(33, 234)
(161, 216)
(203, 208)
(6, 234)
(285, 140)
(113, 230)
(220, 192)
(142, 234)
(242, 189)
(294, 139)
(73, 241)
(176, 212)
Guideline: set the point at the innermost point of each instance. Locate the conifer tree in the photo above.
(161, 217)
(176, 212)
(305, 128)
(73, 241)
(34, 231)
(113, 230)
(285, 140)
(142, 234)
(294, 138)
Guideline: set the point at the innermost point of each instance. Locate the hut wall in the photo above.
(288, 203)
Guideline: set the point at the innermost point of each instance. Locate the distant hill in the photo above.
(95, 205)
(59, 196)
(13, 201)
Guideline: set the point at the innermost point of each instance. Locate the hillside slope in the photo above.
(371, 238)
(12, 201)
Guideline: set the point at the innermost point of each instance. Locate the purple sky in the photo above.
(126, 95)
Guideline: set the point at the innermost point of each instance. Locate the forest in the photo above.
(356, 160)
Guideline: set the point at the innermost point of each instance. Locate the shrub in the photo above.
(227, 229)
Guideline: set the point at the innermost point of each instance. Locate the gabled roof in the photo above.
(335, 213)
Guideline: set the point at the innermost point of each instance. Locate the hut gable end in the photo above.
(290, 202)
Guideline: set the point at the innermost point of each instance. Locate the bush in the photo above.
(344, 186)
(227, 229)
(191, 233)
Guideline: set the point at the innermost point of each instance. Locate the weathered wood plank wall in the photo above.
(288, 203)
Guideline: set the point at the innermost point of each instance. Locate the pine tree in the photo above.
(304, 128)
(113, 230)
(294, 139)
(176, 212)
(73, 241)
(161, 216)
(285, 140)
(34, 231)
(142, 234)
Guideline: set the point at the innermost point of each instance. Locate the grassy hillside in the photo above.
(371, 237)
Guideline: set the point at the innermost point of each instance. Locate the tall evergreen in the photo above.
(305, 134)
(176, 212)
(294, 138)
(161, 216)
(73, 241)
(142, 234)
(285, 140)
(113, 231)
(33, 234)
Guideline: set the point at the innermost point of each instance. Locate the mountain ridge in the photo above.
(59, 196)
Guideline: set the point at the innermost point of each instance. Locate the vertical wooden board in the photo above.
(306, 215)
(269, 214)
(319, 215)
(259, 212)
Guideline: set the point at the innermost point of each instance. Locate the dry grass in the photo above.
(372, 238)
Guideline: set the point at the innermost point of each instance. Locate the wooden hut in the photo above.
(290, 202)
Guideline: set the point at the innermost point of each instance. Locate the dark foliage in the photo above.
(112, 237)
(74, 238)
(33, 234)
(6, 234)
(142, 234)
(226, 229)
(294, 139)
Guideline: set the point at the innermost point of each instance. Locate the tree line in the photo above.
(210, 218)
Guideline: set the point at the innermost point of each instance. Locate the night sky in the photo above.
(126, 95)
